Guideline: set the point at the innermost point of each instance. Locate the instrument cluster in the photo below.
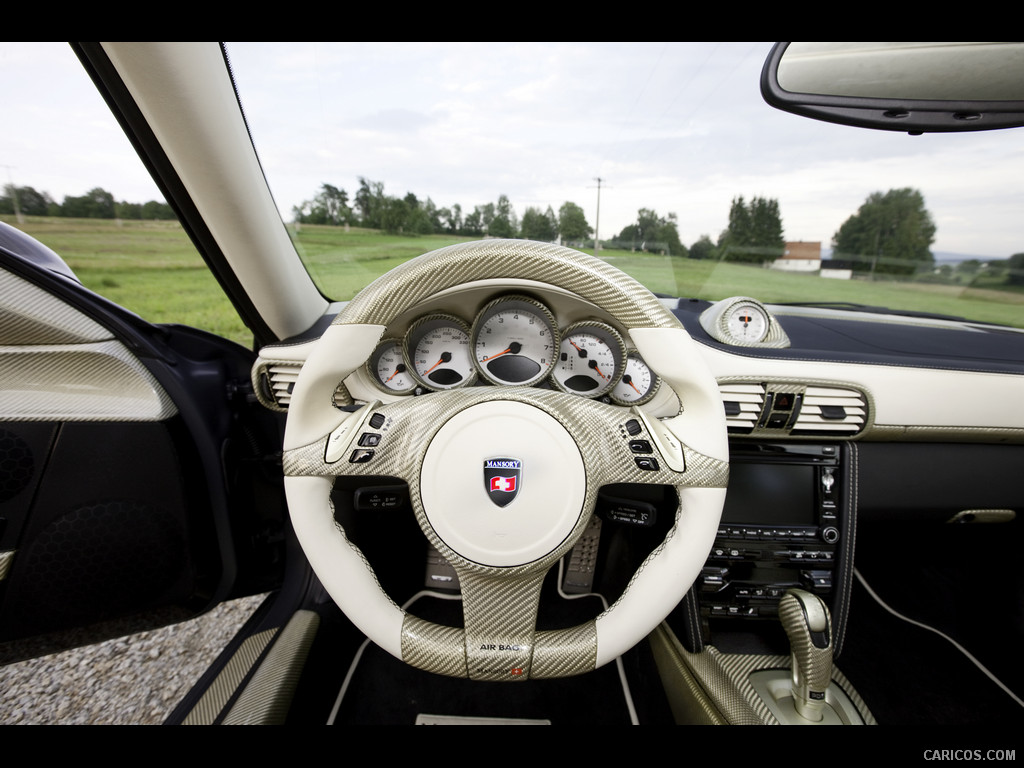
(514, 340)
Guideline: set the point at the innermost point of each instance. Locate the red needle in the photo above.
(627, 379)
(433, 366)
(503, 352)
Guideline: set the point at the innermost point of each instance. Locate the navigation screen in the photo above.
(770, 494)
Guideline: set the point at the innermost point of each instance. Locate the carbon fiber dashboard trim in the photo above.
(99, 381)
(721, 682)
(29, 316)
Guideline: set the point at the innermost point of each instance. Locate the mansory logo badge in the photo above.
(502, 478)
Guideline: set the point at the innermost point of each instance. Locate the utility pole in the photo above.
(597, 220)
(14, 196)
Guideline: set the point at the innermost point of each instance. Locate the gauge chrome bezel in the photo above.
(611, 338)
(512, 302)
(415, 334)
(754, 310)
(715, 320)
(371, 367)
(644, 397)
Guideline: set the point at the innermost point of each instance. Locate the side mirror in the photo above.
(912, 87)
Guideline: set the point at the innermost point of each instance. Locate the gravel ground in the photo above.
(135, 680)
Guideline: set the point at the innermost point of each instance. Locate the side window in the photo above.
(73, 181)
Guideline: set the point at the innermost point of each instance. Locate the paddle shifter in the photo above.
(809, 627)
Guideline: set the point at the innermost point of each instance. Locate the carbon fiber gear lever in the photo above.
(806, 619)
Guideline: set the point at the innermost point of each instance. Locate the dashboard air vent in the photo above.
(743, 404)
(273, 382)
(831, 409)
(281, 378)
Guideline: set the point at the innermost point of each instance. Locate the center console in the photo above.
(785, 519)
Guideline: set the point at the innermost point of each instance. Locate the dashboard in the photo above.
(833, 416)
(784, 373)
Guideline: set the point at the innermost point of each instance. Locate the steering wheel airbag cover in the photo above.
(547, 490)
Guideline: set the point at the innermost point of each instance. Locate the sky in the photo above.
(677, 127)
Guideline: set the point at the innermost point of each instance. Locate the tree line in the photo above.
(97, 203)
(890, 234)
(372, 208)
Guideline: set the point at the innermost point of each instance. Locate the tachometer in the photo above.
(515, 341)
(589, 360)
(638, 383)
(437, 347)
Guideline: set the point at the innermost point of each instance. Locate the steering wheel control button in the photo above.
(377, 420)
(459, 507)
(640, 446)
(647, 463)
(668, 445)
(382, 497)
(628, 511)
(341, 437)
(633, 427)
(360, 456)
(369, 439)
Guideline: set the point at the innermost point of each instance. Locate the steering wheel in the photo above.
(557, 448)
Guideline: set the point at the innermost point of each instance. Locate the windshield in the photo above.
(662, 157)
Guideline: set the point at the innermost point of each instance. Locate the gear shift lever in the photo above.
(809, 627)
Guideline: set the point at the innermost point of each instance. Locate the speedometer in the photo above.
(515, 341)
(438, 350)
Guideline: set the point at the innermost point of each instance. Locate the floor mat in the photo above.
(910, 676)
(383, 690)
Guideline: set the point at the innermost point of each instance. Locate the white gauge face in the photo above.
(514, 341)
(438, 350)
(388, 368)
(638, 383)
(747, 323)
(589, 360)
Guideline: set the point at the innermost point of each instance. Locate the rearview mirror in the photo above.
(913, 87)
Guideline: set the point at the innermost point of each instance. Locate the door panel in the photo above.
(138, 479)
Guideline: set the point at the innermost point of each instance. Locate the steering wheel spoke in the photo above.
(374, 439)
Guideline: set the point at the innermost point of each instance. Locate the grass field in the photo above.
(151, 268)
